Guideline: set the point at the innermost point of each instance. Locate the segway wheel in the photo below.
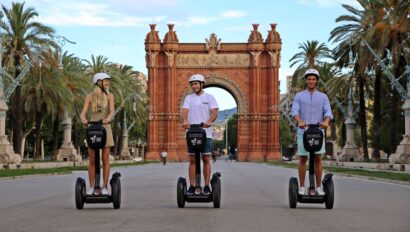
(79, 193)
(329, 194)
(293, 192)
(181, 192)
(116, 193)
(216, 192)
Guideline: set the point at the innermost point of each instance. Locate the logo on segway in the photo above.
(196, 141)
(95, 139)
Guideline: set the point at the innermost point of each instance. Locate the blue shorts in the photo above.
(206, 150)
(301, 149)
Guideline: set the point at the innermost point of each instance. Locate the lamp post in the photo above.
(350, 151)
(226, 130)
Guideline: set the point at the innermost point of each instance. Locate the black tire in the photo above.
(293, 192)
(116, 193)
(216, 192)
(329, 194)
(79, 193)
(181, 192)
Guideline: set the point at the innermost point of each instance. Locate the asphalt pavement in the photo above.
(254, 198)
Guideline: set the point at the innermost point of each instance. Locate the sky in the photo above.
(116, 29)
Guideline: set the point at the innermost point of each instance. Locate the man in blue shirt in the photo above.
(310, 107)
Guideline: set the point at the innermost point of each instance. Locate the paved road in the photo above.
(254, 198)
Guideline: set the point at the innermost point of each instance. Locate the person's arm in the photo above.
(185, 122)
(299, 121)
(325, 123)
(112, 109)
(85, 109)
(295, 112)
(327, 113)
(214, 115)
(185, 112)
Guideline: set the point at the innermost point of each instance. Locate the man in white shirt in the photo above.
(164, 157)
(200, 107)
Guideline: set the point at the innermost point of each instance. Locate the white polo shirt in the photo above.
(200, 109)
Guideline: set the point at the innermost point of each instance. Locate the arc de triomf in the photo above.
(249, 71)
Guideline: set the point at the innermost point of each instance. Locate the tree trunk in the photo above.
(17, 112)
(396, 108)
(39, 123)
(23, 141)
(54, 148)
(376, 116)
(362, 113)
(74, 135)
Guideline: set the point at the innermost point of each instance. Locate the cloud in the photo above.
(232, 14)
(93, 12)
(328, 3)
(189, 21)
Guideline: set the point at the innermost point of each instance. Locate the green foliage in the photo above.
(285, 134)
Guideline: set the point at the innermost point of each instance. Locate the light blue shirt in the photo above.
(312, 107)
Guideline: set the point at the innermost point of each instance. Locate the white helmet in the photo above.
(312, 71)
(100, 76)
(197, 77)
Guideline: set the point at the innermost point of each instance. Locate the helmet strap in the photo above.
(102, 88)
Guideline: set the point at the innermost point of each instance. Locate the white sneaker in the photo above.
(104, 191)
(302, 191)
(90, 191)
(320, 191)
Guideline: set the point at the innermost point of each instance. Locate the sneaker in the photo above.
(302, 191)
(207, 190)
(90, 191)
(191, 190)
(104, 191)
(320, 191)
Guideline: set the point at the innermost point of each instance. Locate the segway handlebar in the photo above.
(197, 125)
(95, 122)
(317, 125)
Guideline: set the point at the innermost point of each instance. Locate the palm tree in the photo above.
(72, 72)
(23, 36)
(348, 36)
(392, 27)
(311, 56)
(97, 64)
(126, 87)
(43, 92)
(384, 25)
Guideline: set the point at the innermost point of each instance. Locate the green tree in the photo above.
(22, 37)
(43, 91)
(312, 55)
(285, 135)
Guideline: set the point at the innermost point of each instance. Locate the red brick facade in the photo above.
(249, 71)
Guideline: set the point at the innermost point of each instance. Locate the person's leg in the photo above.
(91, 167)
(191, 169)
(318, 170)
(106, 165)
(207, 169)
(302, 170)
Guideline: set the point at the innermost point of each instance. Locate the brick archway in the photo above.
(219, 80)
(249, 71)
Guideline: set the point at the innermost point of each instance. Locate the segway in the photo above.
(196, 139)
(96, 139)
(312, 142)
